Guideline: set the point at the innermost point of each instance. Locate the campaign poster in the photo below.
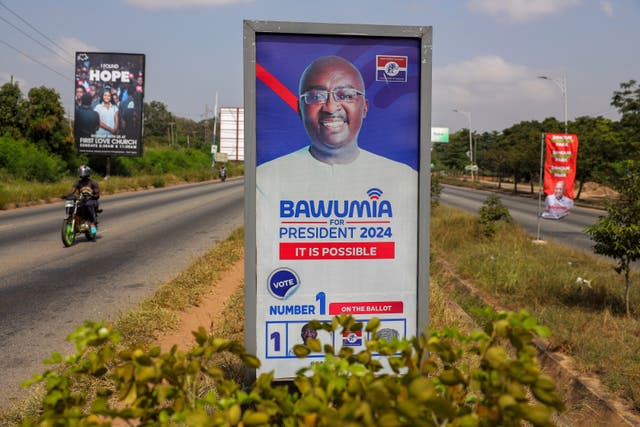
(109, 100)
(337, 175)
(561, 153)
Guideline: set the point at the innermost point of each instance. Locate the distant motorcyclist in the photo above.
(85, 185)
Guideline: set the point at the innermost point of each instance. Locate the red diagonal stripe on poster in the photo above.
(277, 87)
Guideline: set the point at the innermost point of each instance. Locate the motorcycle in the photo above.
(75, 222)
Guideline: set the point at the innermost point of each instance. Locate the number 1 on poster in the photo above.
(322, 300)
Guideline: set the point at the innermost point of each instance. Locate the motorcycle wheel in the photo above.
(68, 233)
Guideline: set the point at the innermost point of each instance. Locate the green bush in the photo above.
(155, 161)
(436, 190)
(491, 212)
(20, 159)
(444, 378)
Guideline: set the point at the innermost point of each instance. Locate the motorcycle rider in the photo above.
(86, 185)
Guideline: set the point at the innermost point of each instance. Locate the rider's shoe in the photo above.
(93, 229)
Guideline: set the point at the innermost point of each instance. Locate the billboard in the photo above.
(559, 173)
(232, 132)
(109, 98)
(336, 197)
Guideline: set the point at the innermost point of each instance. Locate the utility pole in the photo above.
(206, 117)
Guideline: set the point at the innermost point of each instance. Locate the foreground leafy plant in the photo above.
(444, 378)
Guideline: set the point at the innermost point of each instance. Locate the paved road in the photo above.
(145, 238)
(568, 231)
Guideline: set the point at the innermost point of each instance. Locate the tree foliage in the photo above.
(157, 118)
(12, 110)
(521, 143)
(618, 234)
(46, 124)
(453, 155)
(515, 150)
(627, 101)
(600, 147)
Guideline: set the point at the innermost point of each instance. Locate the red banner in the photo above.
(560, 162)
(338, 250)
(366, 307)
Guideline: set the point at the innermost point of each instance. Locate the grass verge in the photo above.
(586, 317)
(18, 193)
(162, 311)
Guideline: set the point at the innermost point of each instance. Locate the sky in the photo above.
(487, 54)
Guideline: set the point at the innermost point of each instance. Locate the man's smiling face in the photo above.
(332, 124)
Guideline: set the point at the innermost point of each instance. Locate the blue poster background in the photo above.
(391, 128)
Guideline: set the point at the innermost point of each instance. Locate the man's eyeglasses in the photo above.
(321, 96)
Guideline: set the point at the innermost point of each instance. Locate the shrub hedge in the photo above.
(444, 378)
(21, 159)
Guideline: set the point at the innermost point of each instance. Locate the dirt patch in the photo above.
(207, 313)
(592, 190)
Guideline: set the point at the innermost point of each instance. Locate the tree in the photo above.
(600, 147)
(46, 124)
(192, 132)
(156, 119)
(627, 101)
(452, 155)
(521, 143)
(491, 156)
(618, 234)
(12, 112)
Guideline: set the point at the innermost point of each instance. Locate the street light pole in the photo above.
(467, 114)
(562, 84)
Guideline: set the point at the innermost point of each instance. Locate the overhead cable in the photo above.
(39, 42)
(35, 29)
(35, 60)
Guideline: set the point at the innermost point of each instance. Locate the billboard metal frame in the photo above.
(421, 33)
